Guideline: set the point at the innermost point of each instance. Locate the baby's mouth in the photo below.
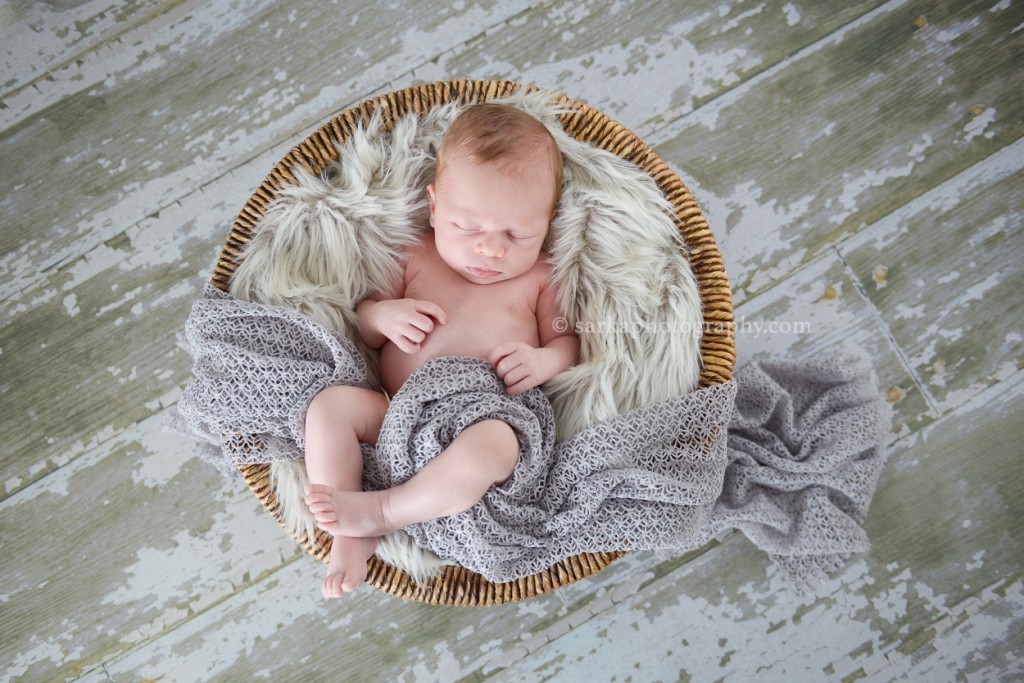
(483, 272)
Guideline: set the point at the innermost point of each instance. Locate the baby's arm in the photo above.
(522, 366)
(389, 315)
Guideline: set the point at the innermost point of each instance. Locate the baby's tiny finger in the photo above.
(498, 353)
(423, 323)
(433, 310)
(515, 376)
(520, 387)
(406, 345)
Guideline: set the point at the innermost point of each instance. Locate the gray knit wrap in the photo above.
(788, 452)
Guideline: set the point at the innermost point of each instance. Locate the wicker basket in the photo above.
(456, 585)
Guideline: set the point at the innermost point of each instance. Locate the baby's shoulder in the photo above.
(543, 271)
(413, 248)
(415, 253)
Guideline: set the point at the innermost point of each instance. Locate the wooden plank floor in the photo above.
(861, 163)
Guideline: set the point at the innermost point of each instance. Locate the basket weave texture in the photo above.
(456, 585)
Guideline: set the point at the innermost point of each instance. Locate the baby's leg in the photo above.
(337, 421)
(484, 454)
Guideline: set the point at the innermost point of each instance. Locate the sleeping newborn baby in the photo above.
(477, 285)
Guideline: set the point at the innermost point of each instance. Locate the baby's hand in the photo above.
(406, 322)
(521, 366)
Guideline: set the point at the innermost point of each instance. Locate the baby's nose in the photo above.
(490, 246)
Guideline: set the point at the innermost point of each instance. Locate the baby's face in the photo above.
(489, 225)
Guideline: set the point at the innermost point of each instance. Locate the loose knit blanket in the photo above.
(788, 452)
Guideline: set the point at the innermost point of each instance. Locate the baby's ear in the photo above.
(430, 201)
(545, 246)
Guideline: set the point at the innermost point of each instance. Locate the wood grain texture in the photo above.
(147, 534)
(41, 40)
(937, 267)
(649, 61)
(861, 123)
(834, 147)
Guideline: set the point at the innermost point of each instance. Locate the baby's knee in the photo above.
(344, 406)
(501, 442)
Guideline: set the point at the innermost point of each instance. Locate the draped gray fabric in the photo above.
(789, 452)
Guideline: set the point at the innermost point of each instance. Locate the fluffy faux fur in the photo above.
(622, 278)
(288, 479)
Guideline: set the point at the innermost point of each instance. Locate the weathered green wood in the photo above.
(945, 274)
(94, 348)
(850, 129)
(131, 539)
(40, 39)
(355, 636)
(368, 636)
(119, 551)
(943, 566)
(620, 56)
(230, 83)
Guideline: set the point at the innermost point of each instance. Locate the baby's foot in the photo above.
(347, 513)
(346, 569)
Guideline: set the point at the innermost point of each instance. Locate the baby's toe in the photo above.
(318, 489)
(317, 500)
(326, 516)
(332, 587)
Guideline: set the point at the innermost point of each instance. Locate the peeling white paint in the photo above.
(242, 627)
(978, 125)
(792, 14)
(617, 76)
(813, 321)
(740, 18)
(904, 311)
(121, 376)
(725, 100)
(973, 645)
(985, 231)
(855, 185)
(980, 289)
(96, 62)
(976, 563)
(760, 233)
(71, 305)
(55, 652)
(162, 458)
(917, 150)
(991, 170)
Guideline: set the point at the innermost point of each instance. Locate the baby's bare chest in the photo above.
(501, 311)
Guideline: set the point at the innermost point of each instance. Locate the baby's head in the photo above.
(496, 184)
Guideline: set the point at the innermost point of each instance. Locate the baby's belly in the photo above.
(464, 335)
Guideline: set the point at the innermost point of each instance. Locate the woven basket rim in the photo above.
(457, 585)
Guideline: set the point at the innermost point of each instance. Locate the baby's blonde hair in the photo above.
(489, 132)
